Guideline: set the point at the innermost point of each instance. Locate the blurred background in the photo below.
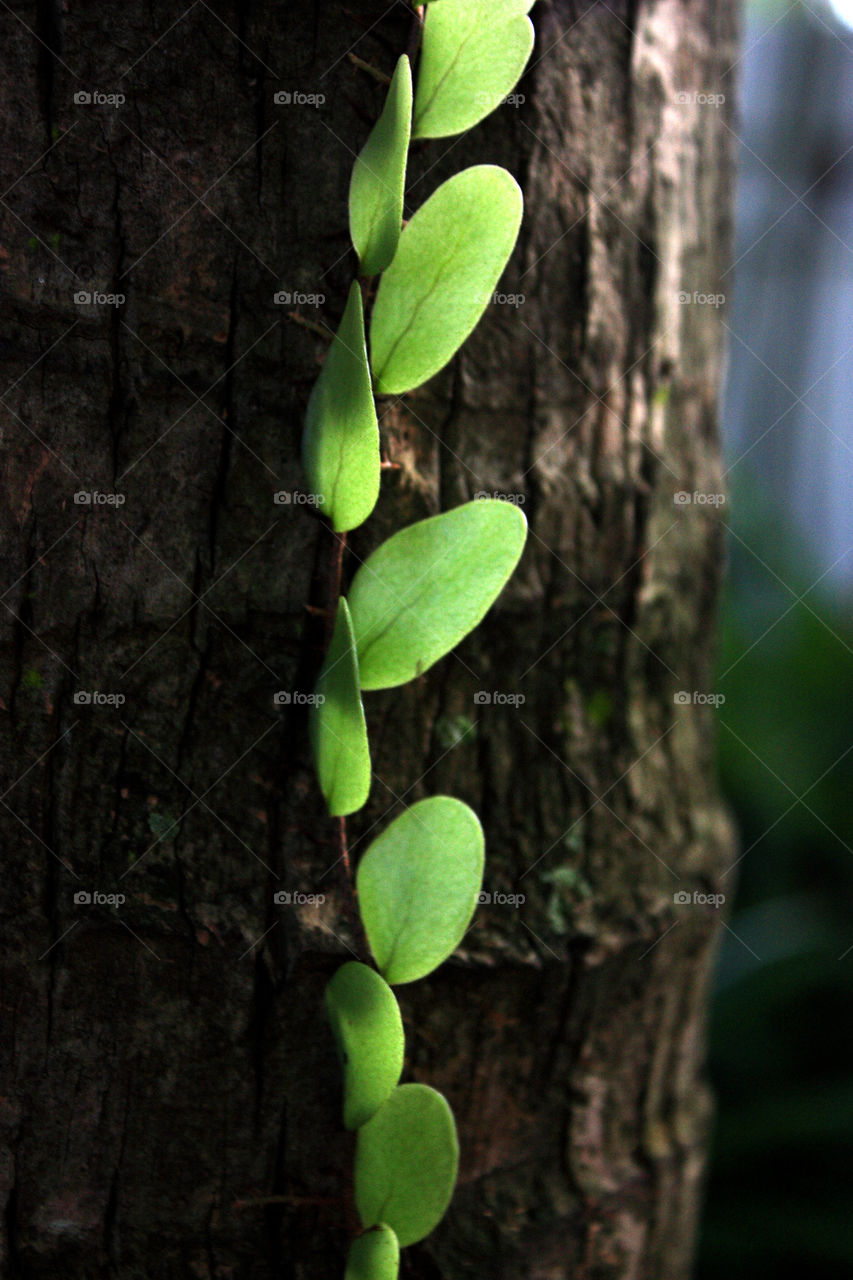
(780, 1195)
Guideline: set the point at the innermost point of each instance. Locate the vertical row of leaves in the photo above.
(414, 598)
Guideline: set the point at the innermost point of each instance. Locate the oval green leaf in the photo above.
(418, 885)
(406, 1160)
(374, 1256)
(340, 443)
(450, 257)
(378, 178)
(512, 6)
(472, 56)
(336, 724)
(368, 1031)
(425, 588)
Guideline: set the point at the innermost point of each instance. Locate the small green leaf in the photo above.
(429, 585)
(418, 885)
(472, 56)
(406, 1159)
(498, 6)
(450, 257)
(336, 725)
(374, 1256)
(340, 444)
(368, 1031)
(378, 178)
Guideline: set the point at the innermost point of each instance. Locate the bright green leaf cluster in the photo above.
(414, 598)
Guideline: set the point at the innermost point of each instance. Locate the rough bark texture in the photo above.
(169, 1092)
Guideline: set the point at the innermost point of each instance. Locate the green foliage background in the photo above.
(779, 1194)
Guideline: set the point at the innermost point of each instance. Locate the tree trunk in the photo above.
(170, 1092)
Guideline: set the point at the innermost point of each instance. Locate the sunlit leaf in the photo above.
(340, 443)
(509, 6)
(472, 56)
(425, 588)
(336, 725)
(406, 1159)
(374, 1256)
(378, 178)
(368, 1031)
(450, 257)
(418, 884)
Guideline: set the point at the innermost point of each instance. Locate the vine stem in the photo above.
(357, 927)
(343, 848)
(335, 578)
(308, 324)
(297, 1200)
(370, 69)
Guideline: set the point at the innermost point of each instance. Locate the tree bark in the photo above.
(170, 1093)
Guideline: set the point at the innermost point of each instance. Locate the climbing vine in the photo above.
(414, 598)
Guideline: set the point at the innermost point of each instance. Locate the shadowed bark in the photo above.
(170, 1096)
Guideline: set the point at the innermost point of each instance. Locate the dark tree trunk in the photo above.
(169, 1091)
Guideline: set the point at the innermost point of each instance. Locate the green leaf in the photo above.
(429, 585)
(498, 6)
(368, 1031)
(472, 56)
(378, 178)
(418, 885)
(340, 444)
(450, 257)
(374, 1256)
(406, 1159)
(336, 725)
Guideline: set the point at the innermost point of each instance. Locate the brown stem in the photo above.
(309, 324)
(359, 936)
(335, 576)
(343, 847)
(369, 68)
(296, 1200)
